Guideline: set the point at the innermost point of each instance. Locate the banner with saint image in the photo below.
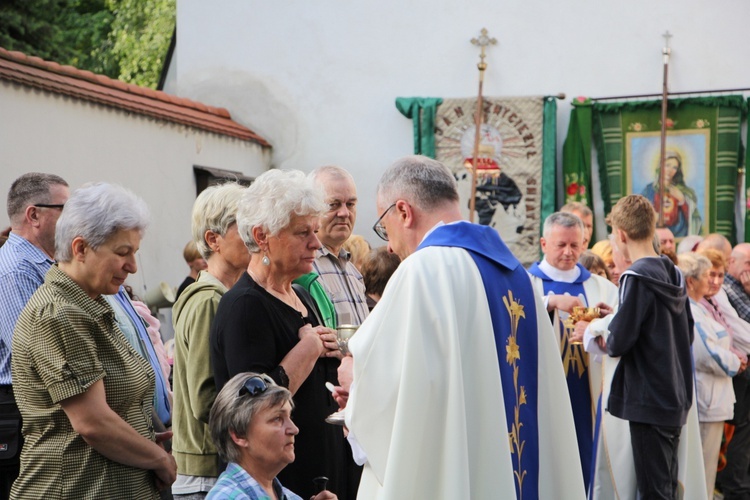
(703, 155)
(515, 188)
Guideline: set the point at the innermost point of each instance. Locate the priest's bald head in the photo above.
(414, 194)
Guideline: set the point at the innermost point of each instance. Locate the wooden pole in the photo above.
(666, 51)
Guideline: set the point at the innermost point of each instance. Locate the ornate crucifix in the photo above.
(482, 42)
(666, 52)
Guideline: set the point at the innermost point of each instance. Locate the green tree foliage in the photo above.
(140, 34)
(124, 39)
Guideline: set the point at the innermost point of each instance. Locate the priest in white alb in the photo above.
(455, 388)
(565, 283)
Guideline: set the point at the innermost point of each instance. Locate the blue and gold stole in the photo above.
(576, 367)
(513, 312)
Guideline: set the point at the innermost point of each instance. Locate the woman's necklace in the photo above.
(289, 299)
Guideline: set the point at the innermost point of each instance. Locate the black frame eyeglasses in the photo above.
(47, 205)
(378, 227)
(255, 386)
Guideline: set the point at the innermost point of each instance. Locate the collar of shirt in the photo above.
(27, 249)
(67, 286)
(343, 254)
(558, 275)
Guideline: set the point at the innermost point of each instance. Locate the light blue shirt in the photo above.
(134, 329)
(22, 270)
(236, 484)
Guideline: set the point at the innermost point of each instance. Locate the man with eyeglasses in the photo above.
(457, 388)
(35, 201)
(338, 275)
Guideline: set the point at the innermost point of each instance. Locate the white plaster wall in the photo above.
(84, 142)
(318, 78)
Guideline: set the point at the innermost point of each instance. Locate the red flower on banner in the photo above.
(572, 189)
(670, 123)
(582, 190)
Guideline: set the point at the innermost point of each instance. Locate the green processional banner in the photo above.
(703, 157)
(516, 173)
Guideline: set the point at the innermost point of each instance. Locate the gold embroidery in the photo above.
(513, 357)
(574, 359)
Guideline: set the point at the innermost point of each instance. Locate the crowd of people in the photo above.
(614, 372)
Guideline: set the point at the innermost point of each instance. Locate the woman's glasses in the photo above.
(255, 386)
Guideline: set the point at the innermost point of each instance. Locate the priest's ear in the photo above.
(405, 213)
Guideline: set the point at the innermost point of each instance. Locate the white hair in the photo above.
(563, 219)
(271, 200)
(693, 265)
(215, 210)
(95, 212)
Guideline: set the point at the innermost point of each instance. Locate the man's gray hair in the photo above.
(30, 189)
(95, 212)
(577, 206)
(563, 219)
(215, 210)
(271, 200)
(693, 265)
(233, 413)
(422, 181)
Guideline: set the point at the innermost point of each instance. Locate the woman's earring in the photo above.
(266, 261)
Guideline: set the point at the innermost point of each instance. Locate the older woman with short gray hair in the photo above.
(265, 325)
(85, 396)
(253, 430)
(715, 364)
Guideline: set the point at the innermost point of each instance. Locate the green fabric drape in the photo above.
(576, 154)
(422, 111)
(617, 128)
(549, 158)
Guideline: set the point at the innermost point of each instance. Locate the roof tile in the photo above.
(67, 80)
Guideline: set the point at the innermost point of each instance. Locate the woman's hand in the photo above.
(311, 336)
(166, 473)
(330, 342)
(106, 432)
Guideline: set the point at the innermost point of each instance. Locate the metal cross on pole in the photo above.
(482, 42)
(666, 52)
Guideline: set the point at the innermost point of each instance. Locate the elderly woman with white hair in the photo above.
(715, 364)
(265, 325)
(85, 395)
(218, 241)
(251, 424)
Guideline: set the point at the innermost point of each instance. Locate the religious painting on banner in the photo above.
(702, 158)
(509, 173)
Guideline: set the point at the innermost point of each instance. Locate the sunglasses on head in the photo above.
(255, 386)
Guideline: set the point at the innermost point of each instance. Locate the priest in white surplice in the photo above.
(564, 283)
(457, 389)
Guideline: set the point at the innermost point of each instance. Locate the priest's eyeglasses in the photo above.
(48, 205)
(255, 386)
(378, 227)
